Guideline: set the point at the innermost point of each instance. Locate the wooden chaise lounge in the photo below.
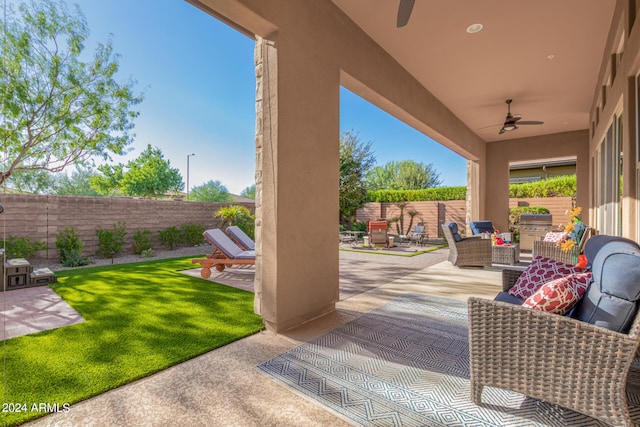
(226, 253)
(241, 238)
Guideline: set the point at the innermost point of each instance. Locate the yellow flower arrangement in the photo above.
(574, 230)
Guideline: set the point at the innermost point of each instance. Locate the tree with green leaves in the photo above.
(356, 158)
(403, 175)
(149, 175)
(211, 191)
(249, 192)
(35, 182)
(76, 184)
(57, 108)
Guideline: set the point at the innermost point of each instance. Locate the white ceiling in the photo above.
(473, 74)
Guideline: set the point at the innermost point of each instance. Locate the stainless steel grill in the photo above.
(533, 227)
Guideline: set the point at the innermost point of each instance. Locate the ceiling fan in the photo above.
(512, 121)
(404, 12)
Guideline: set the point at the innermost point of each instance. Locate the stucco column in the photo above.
(297, 171)
(473, 193)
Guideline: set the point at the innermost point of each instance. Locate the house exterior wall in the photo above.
(313, 50)
(316, 48)
(500, 153)
(615, 95)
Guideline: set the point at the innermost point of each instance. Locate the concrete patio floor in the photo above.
(223, 387)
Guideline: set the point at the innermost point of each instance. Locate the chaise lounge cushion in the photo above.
(479, 227)
(540, 271)
(227, 246)
(612, 299)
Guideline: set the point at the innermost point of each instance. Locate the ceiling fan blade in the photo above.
(530, 122)
(503, 130)
(404, 12)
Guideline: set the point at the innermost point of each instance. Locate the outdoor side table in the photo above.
(503, 254)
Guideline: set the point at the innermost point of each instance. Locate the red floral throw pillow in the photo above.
(559, 295)
(541, 271)
(554, 236)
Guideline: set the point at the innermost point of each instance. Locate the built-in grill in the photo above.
(533, 227)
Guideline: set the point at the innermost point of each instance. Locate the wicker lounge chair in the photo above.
(241, 238)
(469, 251)
(226, 253)
(576, 362)
(552, 249)
(479, 227)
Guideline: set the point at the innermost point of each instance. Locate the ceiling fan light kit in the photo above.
(513, 120)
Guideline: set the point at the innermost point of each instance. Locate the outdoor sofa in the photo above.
(580, 360)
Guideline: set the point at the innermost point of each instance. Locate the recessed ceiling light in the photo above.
(474, 28)
(550, 57)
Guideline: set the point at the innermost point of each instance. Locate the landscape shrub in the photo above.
(237, 215)
(141, 241)
(515, 212)
(170, 237)
(22, 247)
(70, 248)
(111, 242)
(192, 234)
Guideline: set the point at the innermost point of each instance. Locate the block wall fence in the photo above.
(435, 213)
(42, 217)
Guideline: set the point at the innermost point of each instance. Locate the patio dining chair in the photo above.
(226, 253)
(419, 234)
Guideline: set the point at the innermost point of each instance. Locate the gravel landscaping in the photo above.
(54, 263)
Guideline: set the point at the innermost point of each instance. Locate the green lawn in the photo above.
(140, 318)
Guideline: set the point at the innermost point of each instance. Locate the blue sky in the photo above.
(198, 77)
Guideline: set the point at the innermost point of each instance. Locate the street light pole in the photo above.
(188, 155)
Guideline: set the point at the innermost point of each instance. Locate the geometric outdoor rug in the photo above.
(407, 364)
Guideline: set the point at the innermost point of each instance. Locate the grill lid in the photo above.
(536, 219)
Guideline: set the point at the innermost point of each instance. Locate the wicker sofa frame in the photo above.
(470, 251)
(549, 357)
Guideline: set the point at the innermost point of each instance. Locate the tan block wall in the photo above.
(43, 217)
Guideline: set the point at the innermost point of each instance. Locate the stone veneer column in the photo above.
(298, 147)
(473, 193)
(265, 128)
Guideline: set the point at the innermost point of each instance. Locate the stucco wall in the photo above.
(43, 217)
(500, 153)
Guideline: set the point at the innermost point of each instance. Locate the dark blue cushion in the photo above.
(612, 299)
(595, 243)
(479, 227)
(507, 297)
(454, 230)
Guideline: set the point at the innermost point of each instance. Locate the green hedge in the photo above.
(563, 186)
(427, 194)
